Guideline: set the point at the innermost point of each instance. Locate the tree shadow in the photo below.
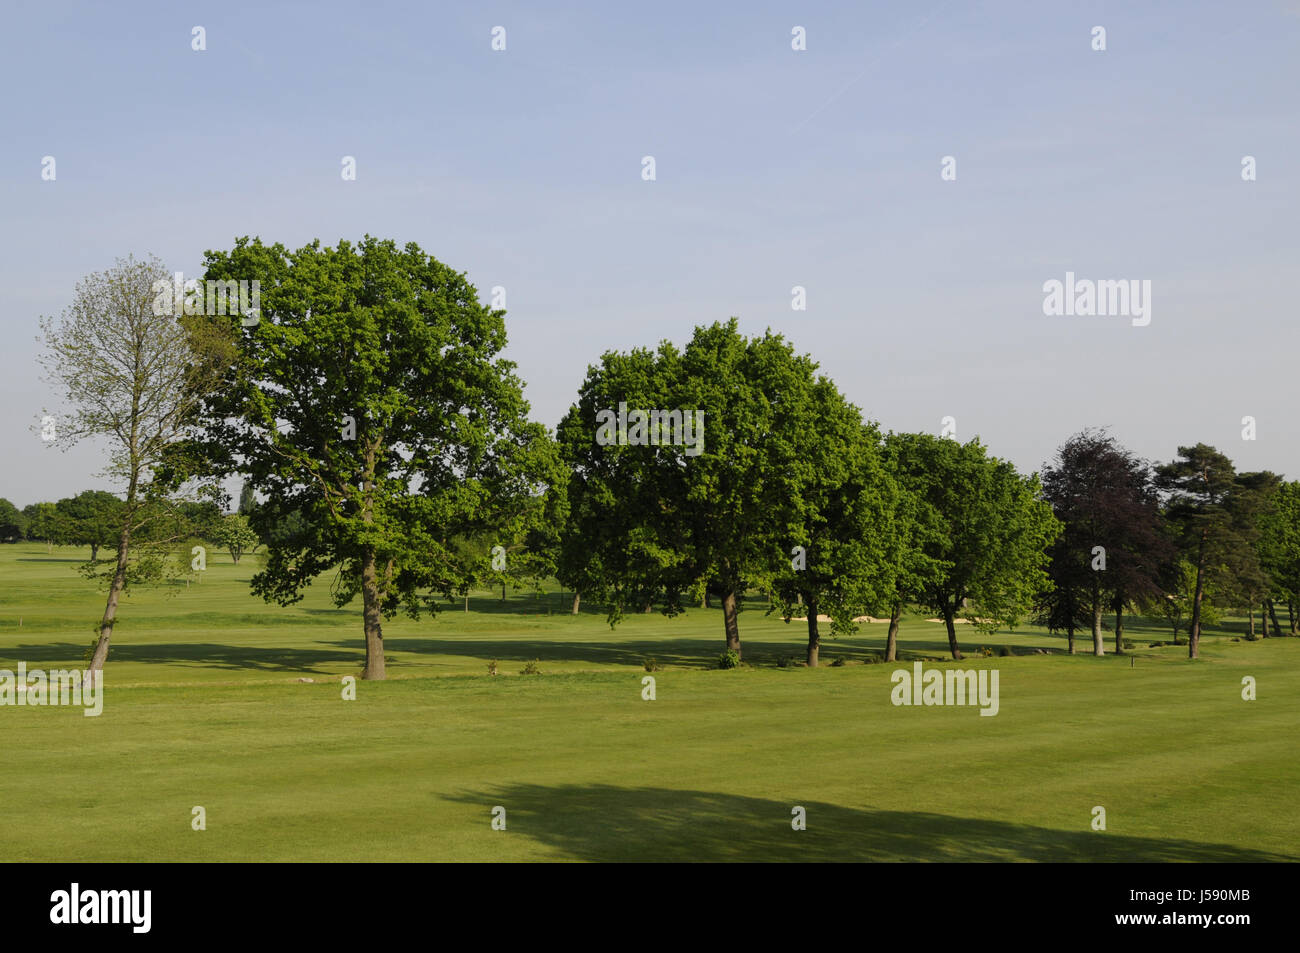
(197, 654)
(606, 823)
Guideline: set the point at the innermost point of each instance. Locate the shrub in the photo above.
(729, 659)
(986, 651)
(837, 662)
(492, 667)
(1004, 651)
(782, 661)
(650, 665)
(531, 668)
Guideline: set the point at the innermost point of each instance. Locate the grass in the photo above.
(204, 707)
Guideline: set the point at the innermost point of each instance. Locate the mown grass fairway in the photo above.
(204, 707)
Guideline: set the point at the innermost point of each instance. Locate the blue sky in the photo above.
(774, 168)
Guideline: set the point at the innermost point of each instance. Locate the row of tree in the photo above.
(380, 433)
(94, 518)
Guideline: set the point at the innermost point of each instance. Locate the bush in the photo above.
(650, 665)
(729, 659)
(531, 668)
(492, 667)
(782, 661)
(1004, 651)
(837, 662)
(986, 651)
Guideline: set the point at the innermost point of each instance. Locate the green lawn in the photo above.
(204, 707)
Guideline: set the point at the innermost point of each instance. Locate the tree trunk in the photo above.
(372, 617)
(948, 615)
(1263, 619)
(814, 639)
(1194, 629)
(577, 598)
(1272, 614)
(1119, 628)
(110, 608)
(503, 592)
(730, 622)
(706, 603)
(1251, 613)
(1290, 614)
(467, 602)
(1098, 644)
(647, 608)
(891, 640)
(94, 553)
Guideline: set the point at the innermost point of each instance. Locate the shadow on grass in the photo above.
(607, 823)
(204, 654)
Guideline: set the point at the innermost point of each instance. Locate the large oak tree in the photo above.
(371, 401)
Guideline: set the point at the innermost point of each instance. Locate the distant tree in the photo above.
(47, 524)
(133, 378)
(1203, 504)
(235, 536)
(12, 522)
(991, 531)
(247, 500)
(1179, 597)
(1062, 606)
(1113, 548)
(92, 518)
(1279, 546)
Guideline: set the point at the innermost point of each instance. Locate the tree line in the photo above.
(379, 432)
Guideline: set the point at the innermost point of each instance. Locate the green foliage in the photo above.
(235, 535)
(492, 666)
(981, 531)
(531, 668)
(729, 659)
(650, 665)
(93, 518)
(393, 344)
(13, 524)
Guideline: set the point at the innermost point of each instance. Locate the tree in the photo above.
(718, 512)
(370, 400)
(987, 536)
(1203, 504)
(1112, 550)
(840, 508)
(622, 542)
(247, 500)
(44, 522)
(134, 378)
(1062, 605)
(92, 518)
(1279, 546)
(1180, 595)
(12, 522)
(235, 536)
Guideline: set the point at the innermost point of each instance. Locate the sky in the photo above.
(773, 168)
